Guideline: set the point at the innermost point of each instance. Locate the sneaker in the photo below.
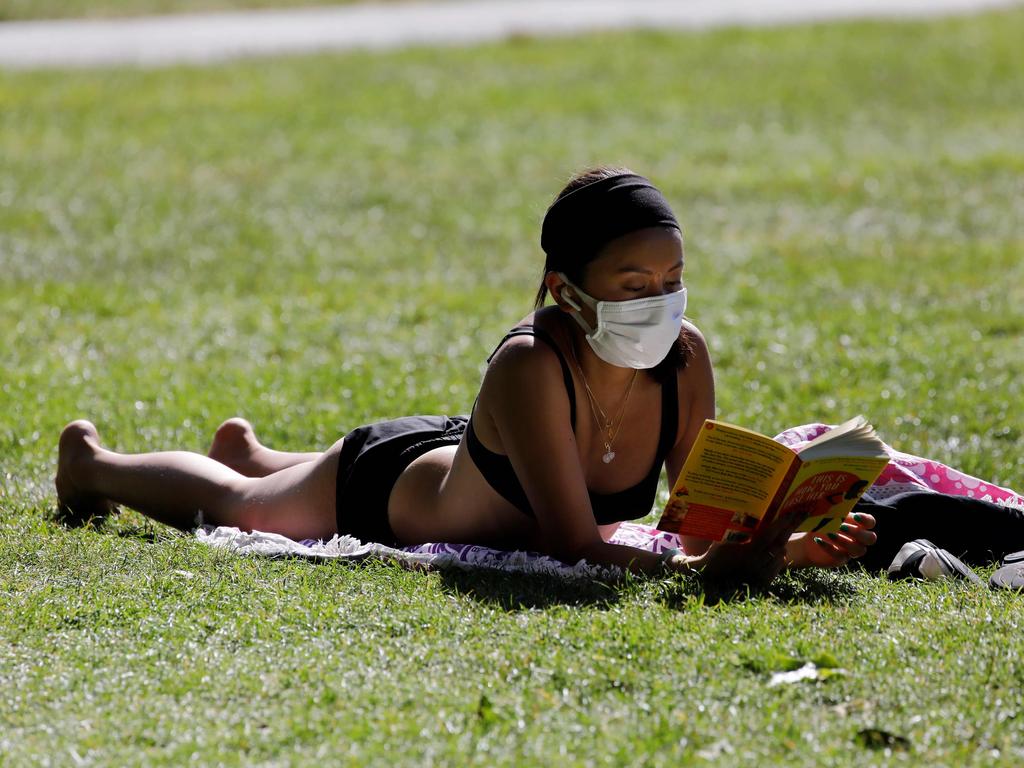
(1011, 574)
(920, 559)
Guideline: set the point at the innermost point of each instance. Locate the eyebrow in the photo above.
(645, 271)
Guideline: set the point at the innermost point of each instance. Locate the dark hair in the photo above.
(575, 268)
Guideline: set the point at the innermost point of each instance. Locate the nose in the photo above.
(656, 286)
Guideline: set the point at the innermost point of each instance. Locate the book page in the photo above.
(727, 483)
(851, 438)
(824, 491)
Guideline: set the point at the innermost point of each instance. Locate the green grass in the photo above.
(23, 10)
(318, 242)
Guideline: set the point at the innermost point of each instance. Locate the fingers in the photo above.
(857, 534)
(839, 555)
(852, 542)
(862, 519)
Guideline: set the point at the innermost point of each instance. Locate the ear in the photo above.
(555, 286)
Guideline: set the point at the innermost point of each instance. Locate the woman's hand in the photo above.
(832, 550)
(748, 562)
(757, 562)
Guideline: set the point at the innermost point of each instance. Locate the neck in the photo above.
(598, 373)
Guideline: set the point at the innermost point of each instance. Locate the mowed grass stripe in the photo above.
(317, 242)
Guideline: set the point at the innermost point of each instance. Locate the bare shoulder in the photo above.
(698, 368)
(525, 372)
(696, 337)
(526, 355)
(523, 377)
(522, 356)
(696, 388)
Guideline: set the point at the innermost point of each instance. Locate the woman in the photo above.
(581, 405)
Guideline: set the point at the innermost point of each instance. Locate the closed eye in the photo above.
(672, 285)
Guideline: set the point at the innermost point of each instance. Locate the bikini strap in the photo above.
(540, 333)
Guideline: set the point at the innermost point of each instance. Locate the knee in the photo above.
(254, 515)
(243, 509)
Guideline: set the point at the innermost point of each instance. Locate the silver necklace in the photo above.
(609, 429)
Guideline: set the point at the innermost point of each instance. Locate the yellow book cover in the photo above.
(736, 480)
(824, 491)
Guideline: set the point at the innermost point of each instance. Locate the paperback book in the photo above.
(736, 481)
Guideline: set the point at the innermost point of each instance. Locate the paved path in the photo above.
(198, 38)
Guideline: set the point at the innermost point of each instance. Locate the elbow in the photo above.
(571, 552)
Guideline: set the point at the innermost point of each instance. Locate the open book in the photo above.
(736, 481)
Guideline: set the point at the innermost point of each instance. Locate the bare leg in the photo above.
(235, 445)
(173, 486)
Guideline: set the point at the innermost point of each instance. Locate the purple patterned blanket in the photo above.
(904, 472)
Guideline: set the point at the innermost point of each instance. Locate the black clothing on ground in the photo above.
(979, 532)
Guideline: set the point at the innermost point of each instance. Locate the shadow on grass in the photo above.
(514, 592)
(145, 533)
(809, 587)
(123, 524)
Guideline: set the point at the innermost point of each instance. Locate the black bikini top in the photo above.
(626, 504)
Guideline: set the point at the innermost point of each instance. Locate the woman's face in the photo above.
(645, 263)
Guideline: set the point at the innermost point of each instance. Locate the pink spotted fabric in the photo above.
(906, 472)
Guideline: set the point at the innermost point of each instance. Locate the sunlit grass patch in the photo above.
(318, 242)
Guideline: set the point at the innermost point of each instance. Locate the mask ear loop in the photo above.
(567, 299)
(578, 314)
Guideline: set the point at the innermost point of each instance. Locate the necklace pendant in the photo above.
(608, 457)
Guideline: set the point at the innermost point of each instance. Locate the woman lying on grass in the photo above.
(581, 406)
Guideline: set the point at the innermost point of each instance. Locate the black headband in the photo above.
(590, 217)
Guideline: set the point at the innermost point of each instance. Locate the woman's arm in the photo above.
(697, 386)
(759, 561)
(523, 395)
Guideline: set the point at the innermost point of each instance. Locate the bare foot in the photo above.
(78, 442)
(234, 445)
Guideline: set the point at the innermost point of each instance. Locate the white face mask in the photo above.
(631, 334)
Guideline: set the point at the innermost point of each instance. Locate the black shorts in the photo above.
(370, 462)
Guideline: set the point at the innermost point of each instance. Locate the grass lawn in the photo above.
(22, 10)
(318, 242)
